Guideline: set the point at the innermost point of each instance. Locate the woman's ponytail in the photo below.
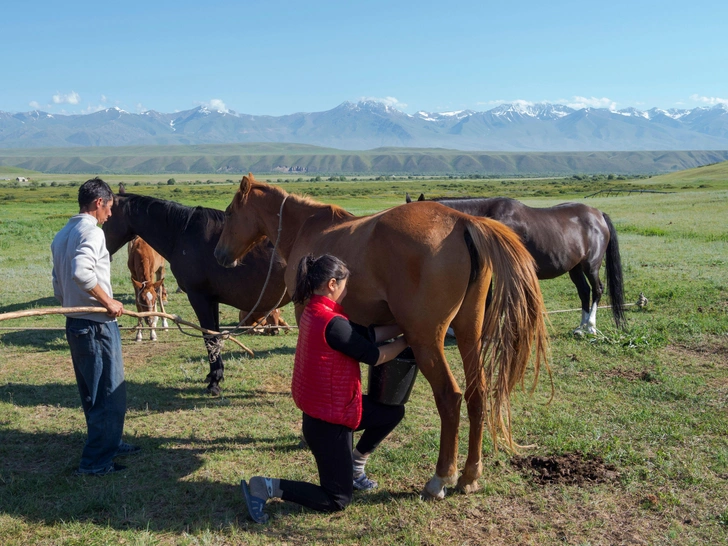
(314, 272)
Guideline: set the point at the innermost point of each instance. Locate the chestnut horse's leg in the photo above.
(468, 325)
(140, 321)
(431, 362)
(162, 295)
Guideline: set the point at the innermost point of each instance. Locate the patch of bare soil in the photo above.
(632, 375)
(712, 352)
(571, 469)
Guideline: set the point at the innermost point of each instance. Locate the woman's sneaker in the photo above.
(362, 483)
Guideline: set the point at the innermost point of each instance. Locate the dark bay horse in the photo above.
(186, 238)
(146, 266)
(422, 266)
(568, 238)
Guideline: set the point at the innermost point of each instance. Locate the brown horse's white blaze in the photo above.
(147, 276)
(423, 266)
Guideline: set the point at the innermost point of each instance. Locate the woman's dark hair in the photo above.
(313, 272)
(91, 190)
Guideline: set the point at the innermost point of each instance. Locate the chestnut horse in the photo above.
(422, 266)
(274, 322)
(186, 238)
(568, 238)
(147, 275)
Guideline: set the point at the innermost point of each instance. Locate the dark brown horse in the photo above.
(146, 266)
(568, 238)
(422, 266)
(186, 237)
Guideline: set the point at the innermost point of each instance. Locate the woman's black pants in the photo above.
(331, 446)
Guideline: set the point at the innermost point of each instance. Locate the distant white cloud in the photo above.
(103, 98)
(387, 101)
(140, 108)
(217, 105)
(34, 105)
(90, 109)
(70, 98)
(708, 100)
(577, 103)
(492, 102)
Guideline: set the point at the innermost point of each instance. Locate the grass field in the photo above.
(651, 401)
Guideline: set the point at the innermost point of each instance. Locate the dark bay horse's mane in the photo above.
(176, 214)
(465, 198)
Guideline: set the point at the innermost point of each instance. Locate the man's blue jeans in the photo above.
(99, 368)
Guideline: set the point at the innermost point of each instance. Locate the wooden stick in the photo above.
(68, 310)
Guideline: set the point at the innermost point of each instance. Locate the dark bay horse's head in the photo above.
(408, 199)
(117, 229)
(243, 228)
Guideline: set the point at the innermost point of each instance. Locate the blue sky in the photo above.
(279, 57)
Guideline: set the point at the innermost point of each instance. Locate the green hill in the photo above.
(717, 172)
(299, 158)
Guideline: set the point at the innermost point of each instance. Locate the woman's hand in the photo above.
(383, 333)
(390, 351)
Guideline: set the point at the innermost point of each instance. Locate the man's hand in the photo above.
(114, 308)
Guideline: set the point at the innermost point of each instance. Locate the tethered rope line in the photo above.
(175, 318)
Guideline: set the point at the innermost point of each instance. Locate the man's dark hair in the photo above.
(91, 190)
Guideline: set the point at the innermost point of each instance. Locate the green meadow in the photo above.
(650, 401)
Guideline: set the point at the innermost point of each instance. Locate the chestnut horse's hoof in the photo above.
(427, 496)
(466, 488)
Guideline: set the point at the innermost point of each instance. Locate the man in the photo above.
(82, 278)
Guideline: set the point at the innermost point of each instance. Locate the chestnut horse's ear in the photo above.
(245, 184)
(137, 284)
(407, 198)
(421, 197)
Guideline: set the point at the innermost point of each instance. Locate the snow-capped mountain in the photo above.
(517, 126)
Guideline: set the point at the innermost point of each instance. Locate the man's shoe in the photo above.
(127, 449)
(113, 467)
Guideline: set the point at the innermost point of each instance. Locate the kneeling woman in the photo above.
(327, 388)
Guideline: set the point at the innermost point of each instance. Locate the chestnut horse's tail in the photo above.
(514, 328)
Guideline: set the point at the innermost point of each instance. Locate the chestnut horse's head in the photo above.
(242, 229)
(146, 295)
(117, 230)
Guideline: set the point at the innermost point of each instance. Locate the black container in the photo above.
(391, 383)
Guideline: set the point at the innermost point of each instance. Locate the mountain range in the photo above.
(516, 127)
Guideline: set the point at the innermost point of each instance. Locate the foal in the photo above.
(258, 321)
(147, 276)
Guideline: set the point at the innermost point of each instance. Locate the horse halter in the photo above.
(140, 300)
(270, 269)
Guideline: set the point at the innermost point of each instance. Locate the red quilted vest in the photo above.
(326, 383)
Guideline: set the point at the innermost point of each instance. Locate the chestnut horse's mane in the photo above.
(337, 213)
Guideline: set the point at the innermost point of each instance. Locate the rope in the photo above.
(176, 319)
(599, 307)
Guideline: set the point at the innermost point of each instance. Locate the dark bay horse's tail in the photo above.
(514, 327)
(615, 284)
